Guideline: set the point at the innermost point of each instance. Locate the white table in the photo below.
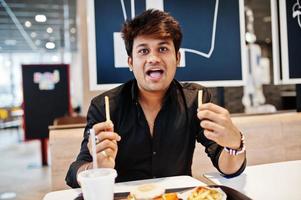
(168, 183)
(270, 181)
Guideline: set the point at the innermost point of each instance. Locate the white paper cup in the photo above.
(98, 183)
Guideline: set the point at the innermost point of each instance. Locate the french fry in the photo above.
(200, 98)
(107, 104)
(108, 118)
(204, 193)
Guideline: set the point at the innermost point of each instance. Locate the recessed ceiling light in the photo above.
(10, 42)
(40, 18)
(27, 24)
(49, 30)
(33, 34)
(50, 45)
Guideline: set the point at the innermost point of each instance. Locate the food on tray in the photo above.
(156, 192)
(206, 193)
(146, 192)
(167, 196)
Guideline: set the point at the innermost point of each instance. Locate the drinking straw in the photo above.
(92, 136)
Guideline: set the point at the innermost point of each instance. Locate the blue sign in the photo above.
(212, 51)
(290, 34)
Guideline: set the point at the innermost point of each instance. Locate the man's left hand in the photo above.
(218, 125)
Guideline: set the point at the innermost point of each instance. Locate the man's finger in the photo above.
(214, 108)
(103, 126)
(210, 135)
(109, 152)
(214, 127)
(108, 135)
(106, 144)
(212, 116)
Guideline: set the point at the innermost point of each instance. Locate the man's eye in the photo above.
(143, 51)
(163, 49)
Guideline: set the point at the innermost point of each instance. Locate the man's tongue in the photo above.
(155, 74)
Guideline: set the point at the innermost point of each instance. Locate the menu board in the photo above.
(46, 97)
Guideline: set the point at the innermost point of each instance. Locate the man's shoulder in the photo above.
(192, 87)
(190, 91)
(114, 94)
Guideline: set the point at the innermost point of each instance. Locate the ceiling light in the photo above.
(40, 18)
(49, 30)
(50, 45)
(27, 24)
(73, 30)
(10, 42)
(33, 34)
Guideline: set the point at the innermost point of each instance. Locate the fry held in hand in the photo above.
(200, 98)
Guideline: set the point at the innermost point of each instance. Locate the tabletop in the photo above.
(173, 182)
(269, 181)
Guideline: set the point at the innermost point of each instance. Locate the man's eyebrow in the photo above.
(141, 45)
(160, 43)
(164, 42)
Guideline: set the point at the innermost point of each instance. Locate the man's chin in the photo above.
(156, 88)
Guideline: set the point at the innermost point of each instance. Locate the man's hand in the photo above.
(106, 148)
(218, 125)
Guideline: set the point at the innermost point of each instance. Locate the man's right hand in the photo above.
(106, 148)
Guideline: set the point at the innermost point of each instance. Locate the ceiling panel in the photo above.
(11, 38)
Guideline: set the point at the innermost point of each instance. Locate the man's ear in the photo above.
(178, 58)
(130, 63)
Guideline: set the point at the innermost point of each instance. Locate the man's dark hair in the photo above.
(151, 22)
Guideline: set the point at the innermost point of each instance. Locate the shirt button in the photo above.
(154, 153)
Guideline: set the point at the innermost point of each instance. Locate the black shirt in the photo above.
(169, 151)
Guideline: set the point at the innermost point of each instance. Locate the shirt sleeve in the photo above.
(212, 149)
(95, 115)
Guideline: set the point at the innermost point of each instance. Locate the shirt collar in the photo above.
(170, 92)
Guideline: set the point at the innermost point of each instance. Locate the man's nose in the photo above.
(153, 58)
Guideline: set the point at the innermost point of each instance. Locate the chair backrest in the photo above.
(70, 120)
(64, 147)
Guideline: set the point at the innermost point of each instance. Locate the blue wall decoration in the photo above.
(212, 49)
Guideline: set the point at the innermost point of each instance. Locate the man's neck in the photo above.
(151, 99)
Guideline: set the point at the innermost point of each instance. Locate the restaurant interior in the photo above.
(40, 35)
